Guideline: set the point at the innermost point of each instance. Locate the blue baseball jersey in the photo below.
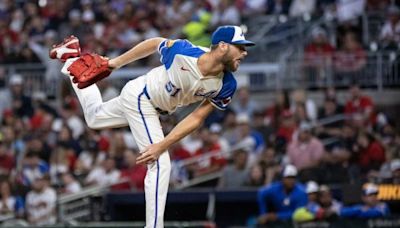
(363, 211)
(284, 203)
(179, 82)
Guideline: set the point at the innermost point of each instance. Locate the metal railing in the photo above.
(78, 206)
(381, 70)
(183, 164)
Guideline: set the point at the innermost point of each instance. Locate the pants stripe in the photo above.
(158, 165)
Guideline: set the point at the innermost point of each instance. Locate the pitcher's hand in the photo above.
(150, 154)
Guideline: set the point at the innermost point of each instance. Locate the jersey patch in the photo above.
(224, 97)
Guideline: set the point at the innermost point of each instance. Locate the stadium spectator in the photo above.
(20, 104)
(300, 98)
(216, 135)
(132, 175)
(41, 48)
(41, 203)
(390, 32)
(89, 158)
(348, 10)
(256, 176)
(331, 207)
(349, 60)
(70, 184)
(229, 127)
(371, 208)
(10, 205)
(32, 168)
(7, 161)
(361, 105)
(207, 165)
(395, 172)
(306, 152)
(284, 197)
(243, 104)
(300, 8)
(108, 91)
(278, 7)
(312, 210)
(284, 134)
(248, 139)
(371, 154)
(318, 56)
(62, 160)
(260, 125)
(225, 13)
(269, 161)
(278, 110)
(235, 175)
(103, 175)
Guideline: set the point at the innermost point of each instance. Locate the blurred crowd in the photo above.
(109, 27)
(46, 148)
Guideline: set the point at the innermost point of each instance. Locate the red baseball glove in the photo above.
(89, 69)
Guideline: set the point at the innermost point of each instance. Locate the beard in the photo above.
(229, 63)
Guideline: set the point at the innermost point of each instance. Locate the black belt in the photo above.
(159, 110)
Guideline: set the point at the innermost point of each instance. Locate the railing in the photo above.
(183, 164)
(78, 206)
(380, 71)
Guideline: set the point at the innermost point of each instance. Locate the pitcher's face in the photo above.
(233, 57)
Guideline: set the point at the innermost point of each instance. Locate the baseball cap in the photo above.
(230, 34)
(395, 165)
(242, 119)
(16, 79)
(370, 188)
(215, 128)
(311, 187)
(289, 171)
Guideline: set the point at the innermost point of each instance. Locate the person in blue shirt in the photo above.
(279, 200)
(372, 207)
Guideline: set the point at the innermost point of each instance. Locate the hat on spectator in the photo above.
(395, 165)
(304, 126)
(242, 119)
(311, 187)
(317, 31)
(16, 79)
(289, 171)
(74, 14)
(215, 128)
(370, 189)
(230, 34)
(324, 188)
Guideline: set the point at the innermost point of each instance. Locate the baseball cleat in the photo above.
(69, 48)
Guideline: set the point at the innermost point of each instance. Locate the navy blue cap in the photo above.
(230, 34)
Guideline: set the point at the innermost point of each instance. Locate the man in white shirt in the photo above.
(41, 203)
(104, 175)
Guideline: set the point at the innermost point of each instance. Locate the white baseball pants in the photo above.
(132, 107)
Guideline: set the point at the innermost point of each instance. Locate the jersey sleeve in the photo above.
(169, 48)
(224, 97)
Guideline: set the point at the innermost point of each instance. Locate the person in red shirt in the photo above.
(350, 59)
(371, 154)
(133, 175)
(360, 105)
(6, 159)
(318, 55)
(285, 131)
(210, 164)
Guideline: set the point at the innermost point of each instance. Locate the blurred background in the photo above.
(317, 100)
